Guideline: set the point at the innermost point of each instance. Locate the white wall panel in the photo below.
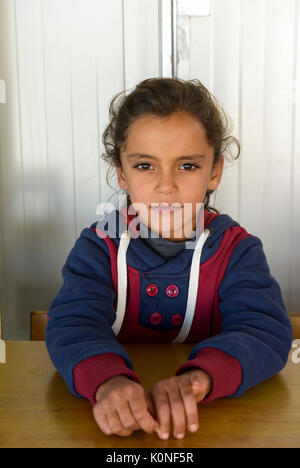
(141, 40)
(255, 76)
(252, 119)
(278, 137)
(294, 228)
(34, 153)
(226, 86)
(62, 61)
(201, 30)
(215, 47)
(110, 71)
(12, 227)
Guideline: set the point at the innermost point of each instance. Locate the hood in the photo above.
(141, 256)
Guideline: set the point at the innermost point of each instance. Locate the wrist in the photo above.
(101, 389)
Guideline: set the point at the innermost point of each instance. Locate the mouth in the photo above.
(165, 207)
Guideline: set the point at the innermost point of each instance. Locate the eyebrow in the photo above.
(181, 158)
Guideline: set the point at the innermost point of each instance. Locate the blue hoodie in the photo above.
(218, 294)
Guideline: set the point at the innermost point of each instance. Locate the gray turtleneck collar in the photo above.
(164, 247)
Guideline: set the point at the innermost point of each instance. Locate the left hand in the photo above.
(177, 397)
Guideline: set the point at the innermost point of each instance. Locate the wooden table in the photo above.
(37, 409)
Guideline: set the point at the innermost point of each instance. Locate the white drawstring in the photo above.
(193, 289)
(122, 281)
(192, 292)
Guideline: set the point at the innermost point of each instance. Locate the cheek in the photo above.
(139, 191)
(139, 188)
(195, 189)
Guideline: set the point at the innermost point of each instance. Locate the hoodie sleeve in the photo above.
(256, 332)
(79, 336)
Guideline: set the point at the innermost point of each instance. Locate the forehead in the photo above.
(177, 125)
(179, 131)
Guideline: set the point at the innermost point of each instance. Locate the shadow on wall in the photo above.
(37, 239)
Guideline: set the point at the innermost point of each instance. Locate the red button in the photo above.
(155, 318)
(172, 290)
(152, 289)
(177, 319)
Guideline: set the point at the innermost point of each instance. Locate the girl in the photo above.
(161, 269)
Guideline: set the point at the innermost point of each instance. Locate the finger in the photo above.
(163, 412)
(127, 419)
(104, 425)
(114, 421)
(198, 388)
(141, 414)
(178, 412)
(124, 433)
(101, 419)
(195, 382)
(150, 405)
(190, 406)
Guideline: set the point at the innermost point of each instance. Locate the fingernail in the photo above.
(161, 435)
(179, 436)
(193, 427)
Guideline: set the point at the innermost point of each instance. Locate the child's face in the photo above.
(154, 172)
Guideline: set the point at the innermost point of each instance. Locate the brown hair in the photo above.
(163, 97)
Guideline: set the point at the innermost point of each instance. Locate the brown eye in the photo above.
(142, 164)
(189, 164)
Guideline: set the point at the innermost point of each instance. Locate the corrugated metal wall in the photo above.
(248, 54)
(63, 60)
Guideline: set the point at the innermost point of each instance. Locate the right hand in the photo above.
(123, 406)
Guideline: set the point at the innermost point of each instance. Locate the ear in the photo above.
(216, 174)
(121, 178)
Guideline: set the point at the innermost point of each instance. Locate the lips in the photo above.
(165, 207)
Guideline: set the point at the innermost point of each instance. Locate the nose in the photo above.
(166, 182)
